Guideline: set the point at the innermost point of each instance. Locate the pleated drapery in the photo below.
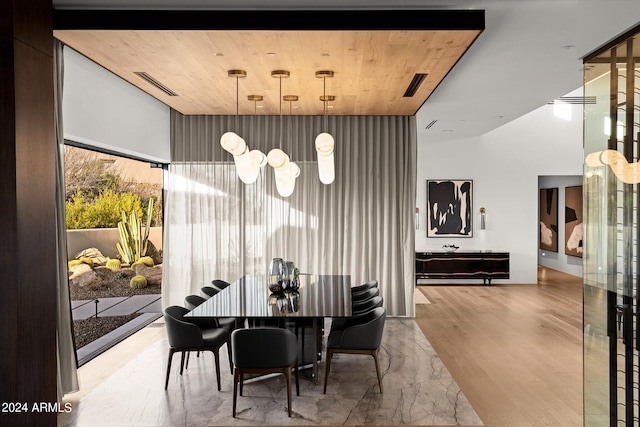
(362, 224)
(67, 362)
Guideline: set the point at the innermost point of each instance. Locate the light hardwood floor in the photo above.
(514, 350)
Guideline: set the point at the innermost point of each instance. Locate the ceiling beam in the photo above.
(365, 20)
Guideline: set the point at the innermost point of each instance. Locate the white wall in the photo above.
(104, 111)
(599, 21)
(504, 165)
(559, 260)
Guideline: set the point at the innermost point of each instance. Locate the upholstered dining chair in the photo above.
(359, 309)
(264, 351)
(207, 292)
(185, 336)
(360, 335)
(192, 301)
(364, 295)
(368, 285)
(220, 284)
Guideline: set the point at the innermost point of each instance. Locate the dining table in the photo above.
(318, 296)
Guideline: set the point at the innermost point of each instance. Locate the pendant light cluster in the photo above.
(324, 141)
(250, 162)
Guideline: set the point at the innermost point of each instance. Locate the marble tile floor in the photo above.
(418, 390)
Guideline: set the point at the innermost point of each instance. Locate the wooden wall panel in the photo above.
(27, 218)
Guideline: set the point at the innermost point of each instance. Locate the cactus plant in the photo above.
(86, 260)
(113, 264)
(133, 242)
(138, 282)
(73, 263)
(147, 260)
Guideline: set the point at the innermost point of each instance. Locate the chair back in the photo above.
(220, 284)
(365, 295)
(192, 301)
(364, 332)
(263, 348)
(207, 292)
(365, 286)
(361, 307)
(180, 332)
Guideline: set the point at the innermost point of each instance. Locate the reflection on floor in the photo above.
(418, 390)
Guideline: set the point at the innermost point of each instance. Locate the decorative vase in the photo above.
(277, 275)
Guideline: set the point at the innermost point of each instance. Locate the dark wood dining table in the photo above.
(319, 296)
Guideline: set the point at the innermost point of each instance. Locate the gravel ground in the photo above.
(110, 285)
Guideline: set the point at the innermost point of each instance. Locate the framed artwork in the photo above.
(449, 208)
(573, 230)
(549, 219)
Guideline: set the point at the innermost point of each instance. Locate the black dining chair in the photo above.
(359, 309)
(364, 295)
(185, 336)
(264, 351)
(220, 284)
(368, 285)
(207, 292)
(192, 301)
(360, 335)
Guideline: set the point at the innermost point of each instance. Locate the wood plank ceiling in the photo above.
(373, 68)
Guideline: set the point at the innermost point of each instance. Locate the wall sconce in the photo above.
(417, 218)
(483, 218)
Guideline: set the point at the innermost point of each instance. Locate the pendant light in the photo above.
(284, 169)
(325, 143)
(248, 163)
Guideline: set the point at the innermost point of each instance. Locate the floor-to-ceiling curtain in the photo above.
(362, 224)
(67, 362)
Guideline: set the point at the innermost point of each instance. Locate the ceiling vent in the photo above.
(154, 82)
(414, 85)
(581, 100)
(433, 122)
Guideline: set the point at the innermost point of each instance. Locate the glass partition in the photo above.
(611, 232)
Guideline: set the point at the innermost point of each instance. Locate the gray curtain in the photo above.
(361, 225)
(67, 362)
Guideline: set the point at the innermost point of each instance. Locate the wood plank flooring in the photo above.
(514, 350)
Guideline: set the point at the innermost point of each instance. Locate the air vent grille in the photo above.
(414, 85)
(154, 82)
(433, 122)
(574, 100)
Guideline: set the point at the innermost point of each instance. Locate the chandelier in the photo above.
(250, 162)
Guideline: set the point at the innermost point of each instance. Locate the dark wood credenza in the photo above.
(485, 265)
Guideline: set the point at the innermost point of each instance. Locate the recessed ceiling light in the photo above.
(325, 53)
(218, 54)
(569, 46)
(271, 54)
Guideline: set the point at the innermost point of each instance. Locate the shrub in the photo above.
(138, 282)
(102, 212)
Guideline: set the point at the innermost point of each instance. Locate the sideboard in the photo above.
(485, 265)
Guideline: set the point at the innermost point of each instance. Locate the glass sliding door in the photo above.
(612, 218)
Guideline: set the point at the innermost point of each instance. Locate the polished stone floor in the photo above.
(418, 390)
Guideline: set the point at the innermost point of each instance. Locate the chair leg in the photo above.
(182, 359)
(374, 353)
(327, 369)
(230, 358)
(287, 374)
(186, 362)
(236, 379)
(166, 381)
(217, 357)
(297, 382)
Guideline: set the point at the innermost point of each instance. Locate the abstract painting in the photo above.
(549, 219)
(573, 231)
(449, 208)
